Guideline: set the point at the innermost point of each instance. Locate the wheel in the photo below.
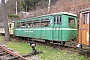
(81, 47)
(47, 41)
(62, 43)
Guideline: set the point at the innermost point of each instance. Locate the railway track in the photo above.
(8, 54)
(69, 47)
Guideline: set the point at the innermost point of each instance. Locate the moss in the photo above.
(13, 16)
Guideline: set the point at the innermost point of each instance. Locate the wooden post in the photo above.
(5, 20)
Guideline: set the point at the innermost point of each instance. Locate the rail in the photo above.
(5, 49)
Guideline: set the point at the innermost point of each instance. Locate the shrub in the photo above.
(13, 16)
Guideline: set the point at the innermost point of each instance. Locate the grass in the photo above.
(22, 48)
(48, 53)
(1, 39)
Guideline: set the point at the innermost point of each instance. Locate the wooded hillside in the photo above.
(40, 7)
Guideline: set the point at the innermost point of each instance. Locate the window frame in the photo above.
(85, 19)
(45, 22)
(29, 24)
(36, 23)
(23, 25)
(19, 24)
(70, 19)
(9, 25)
(56, 21)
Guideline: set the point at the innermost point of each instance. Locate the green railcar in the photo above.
(60, 26)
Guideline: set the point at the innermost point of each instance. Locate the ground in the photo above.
(34, 58)
(47, 53)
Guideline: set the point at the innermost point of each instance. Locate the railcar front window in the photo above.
(71, 22)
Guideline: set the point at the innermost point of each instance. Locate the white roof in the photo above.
(86, 9)
(56, 14)
(63, 13)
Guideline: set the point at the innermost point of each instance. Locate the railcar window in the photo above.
(57, 20)
(45, 22)
(18, 25)
(36, 23)
(29, 24)
(85, 18)
(9, 25)
(23, 25)
(71, 22)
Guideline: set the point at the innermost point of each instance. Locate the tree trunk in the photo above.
(5, 20)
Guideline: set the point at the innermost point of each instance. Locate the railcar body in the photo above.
(84, 27)
(60, 26)
(11, 28)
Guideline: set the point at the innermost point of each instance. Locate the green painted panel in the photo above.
(65, 35)
(53, 32)
(17, 33)
(42, 34)
(49, 34)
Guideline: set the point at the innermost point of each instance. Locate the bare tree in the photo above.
(5, 20)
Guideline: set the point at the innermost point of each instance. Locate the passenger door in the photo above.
(57, 28)
(11, 28)
(84, 29)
